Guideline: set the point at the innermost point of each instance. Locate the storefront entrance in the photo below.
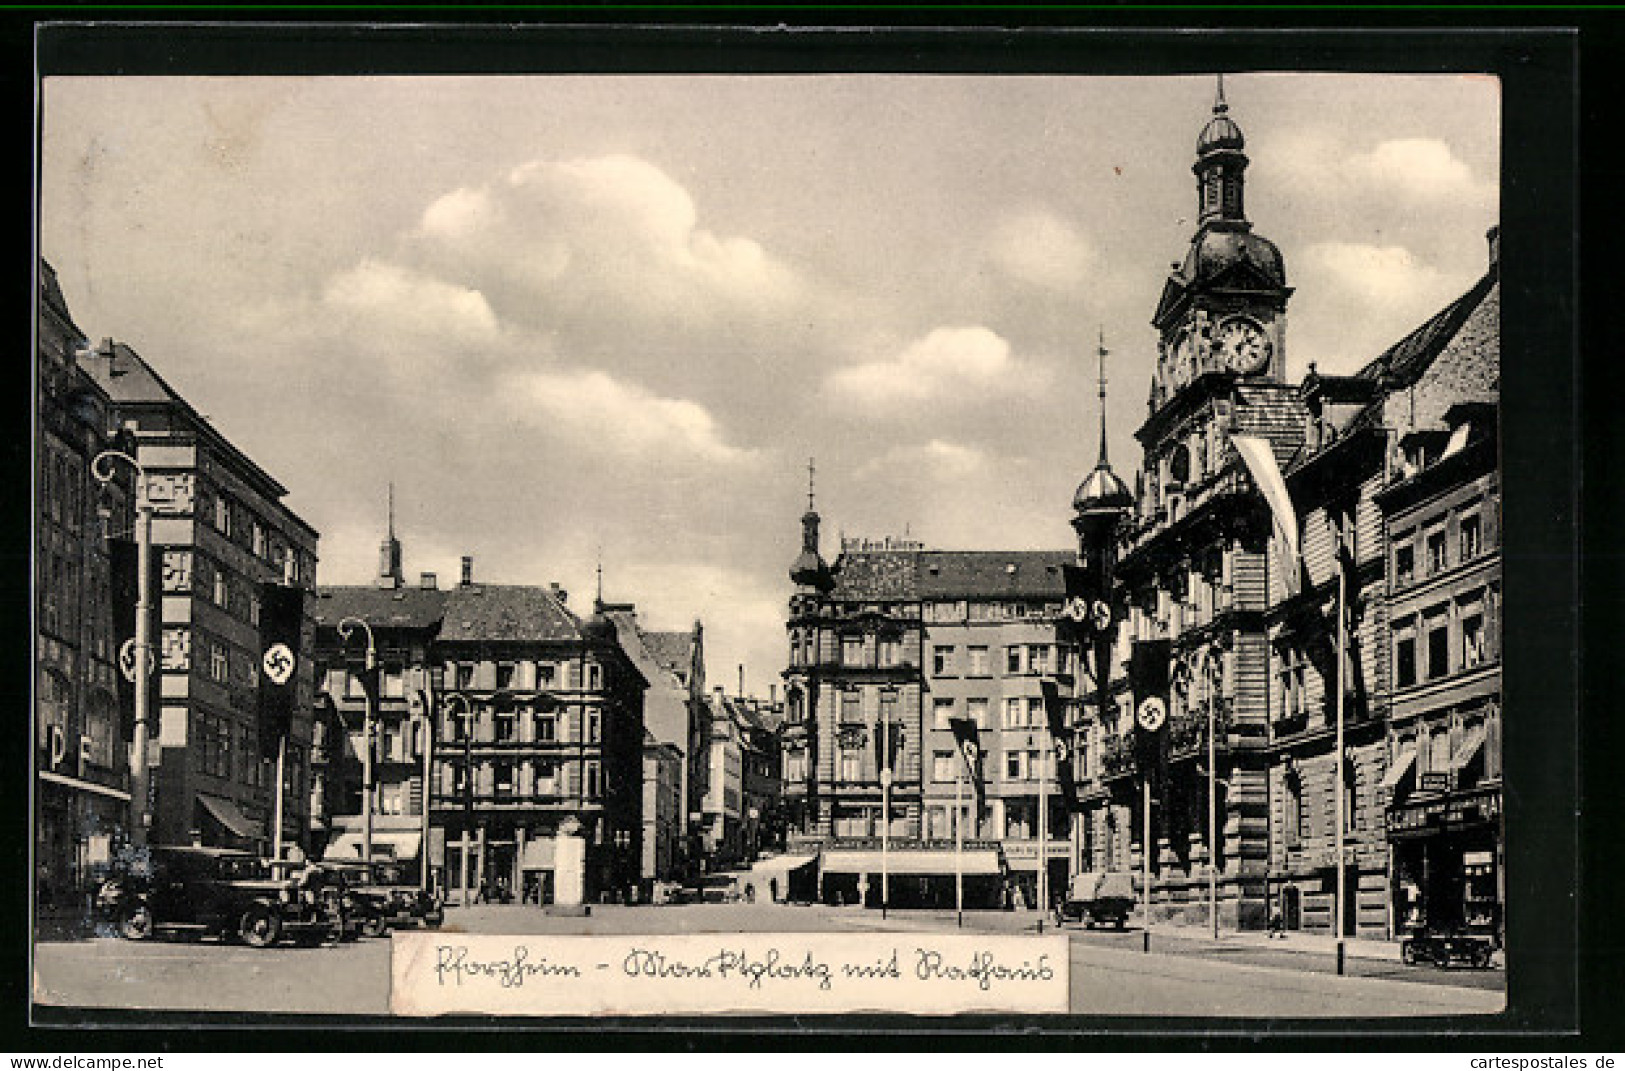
(1446, 871)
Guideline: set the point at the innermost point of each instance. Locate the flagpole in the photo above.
(276, 811)
(1212, 817)
(885, 829)
(1342, 655)
(1145, 861)
(1043, 838)
(959, 847)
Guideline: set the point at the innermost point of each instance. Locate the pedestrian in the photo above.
(1277, 923)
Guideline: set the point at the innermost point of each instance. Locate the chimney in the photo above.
(1494, 237)
(468, 571)
(428, 582)
(558, 592)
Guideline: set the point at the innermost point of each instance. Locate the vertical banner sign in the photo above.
(1148, 681)
(124, 563)
(1060, 736)
(970, 747)
(282, 611)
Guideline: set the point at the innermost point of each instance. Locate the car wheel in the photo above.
(135, 922)
(374, 926)
(260, 927)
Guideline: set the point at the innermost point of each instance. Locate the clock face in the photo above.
(1242, 345)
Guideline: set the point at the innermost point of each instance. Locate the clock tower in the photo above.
(1223, 308)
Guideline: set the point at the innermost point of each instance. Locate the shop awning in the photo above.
(1468, 748)
(981, 861)
(1401, 766)
(229, 815)
(781, 864)
(386, 844)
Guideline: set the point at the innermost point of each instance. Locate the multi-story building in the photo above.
(674, 712)
(741, 812)
(761, 781)
(81, 754)
(1255, 632)
(663, 817)
(990, 639)
(535, 729)
(221, 531)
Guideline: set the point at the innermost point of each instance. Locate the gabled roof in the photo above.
(673, 651)
(993, 573)
(503, 612)
(412, 608)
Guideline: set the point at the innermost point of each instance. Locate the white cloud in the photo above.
(937, 459)
(380, 305)
(599, 412)
(1037, 247)
(1388, 276)
(950, 365)
(1420, 169)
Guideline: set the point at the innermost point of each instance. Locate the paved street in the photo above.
(1187, 974)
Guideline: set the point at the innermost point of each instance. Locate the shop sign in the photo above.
(1027, 851)
(1437, 782)
(56, 747)
(1438, 815)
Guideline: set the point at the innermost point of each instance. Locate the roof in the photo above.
(993, 573)
(405, 607)
(880, 575)
(674, 651)
(1405, 361)
(504, 612)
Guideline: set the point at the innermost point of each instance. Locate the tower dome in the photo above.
(1221, 131)
(1102, 490)
(809, 569)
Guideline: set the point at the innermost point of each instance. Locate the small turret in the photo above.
(809, 569)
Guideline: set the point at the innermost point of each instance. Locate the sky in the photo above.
(580, 319)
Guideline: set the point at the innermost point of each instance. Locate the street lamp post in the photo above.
(468, 790)
(346, 627)
(101, 468)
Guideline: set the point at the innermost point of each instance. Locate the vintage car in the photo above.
(1099, 898)
(384, 893)
(218, 891)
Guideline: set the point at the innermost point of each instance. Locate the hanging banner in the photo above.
(124, 564)
(282, 612)
(1148, 682)
(1060, 735)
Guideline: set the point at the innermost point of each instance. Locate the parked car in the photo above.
(386, 894)
(217, 891)
(667, 892)
(713, 889)
(1100, 898)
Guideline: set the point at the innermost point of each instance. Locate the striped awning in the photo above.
(386, 844)
(1468, 747)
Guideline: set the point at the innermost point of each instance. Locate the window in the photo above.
(1013, 763)
(1472, 639)
(1014, 713)
(851, 706)
(942, 766)
(1438, 647)
(891, 652)
(221, 598)
(1436, 555)
(465, 675)
(595, 676)
(851, 765)
(592, 776)
(1405, 658)
(504, 676)
(942, 709)
(1471, 538)
(942, 660)
(851, 650)
(254, 609)
(1350, 798)
(976, 710)
(1015, 659)
(1038, 658)
(1292, 812)
(547, 773)
(1404, 564)
(506, 723)
(218, 663)
(1035, 710)
(595, 726)
(504, 778)
(888, 705)
(978, 661)
(394, 682)
(222, 514)
(546, 674)
(795, 767)
(259, 539)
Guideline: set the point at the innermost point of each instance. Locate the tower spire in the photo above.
(599, 601)
(389, 551)
(391, 509)
(1219, 106)
(1101, 357)
(811, 471)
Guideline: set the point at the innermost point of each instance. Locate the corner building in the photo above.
(1391, 476)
